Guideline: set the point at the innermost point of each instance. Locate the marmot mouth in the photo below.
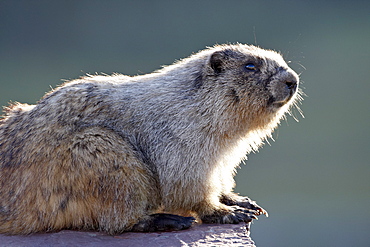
(279, 104)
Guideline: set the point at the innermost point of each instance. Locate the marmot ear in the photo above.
(216, 61)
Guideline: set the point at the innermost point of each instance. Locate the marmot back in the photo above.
(144, 153)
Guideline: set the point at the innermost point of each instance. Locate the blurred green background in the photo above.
(315, 178)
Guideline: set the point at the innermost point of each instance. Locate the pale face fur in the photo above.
(103, 152)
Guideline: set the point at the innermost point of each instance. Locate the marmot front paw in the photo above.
(234, 215)
(244, 202)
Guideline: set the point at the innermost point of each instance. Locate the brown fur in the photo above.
(106, 152)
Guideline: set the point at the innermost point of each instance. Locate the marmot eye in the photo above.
(250, 66)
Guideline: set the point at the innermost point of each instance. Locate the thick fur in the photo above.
(107, 152)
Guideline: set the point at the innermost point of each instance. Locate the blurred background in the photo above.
(315, 178)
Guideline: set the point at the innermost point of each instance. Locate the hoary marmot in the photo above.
(120, 153)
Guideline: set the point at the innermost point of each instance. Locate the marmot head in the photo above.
(254, 76)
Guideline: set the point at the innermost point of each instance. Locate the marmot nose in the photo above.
(289, 78)
(291, 81)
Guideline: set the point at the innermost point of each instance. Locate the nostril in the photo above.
(291, 84)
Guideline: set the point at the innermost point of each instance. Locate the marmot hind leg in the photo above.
(126, 190)
(91, 179)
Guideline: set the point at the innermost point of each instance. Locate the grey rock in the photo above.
(198, 235)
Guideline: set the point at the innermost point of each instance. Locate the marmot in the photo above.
(142, 153)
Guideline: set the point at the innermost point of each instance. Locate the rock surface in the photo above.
(198, 235)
